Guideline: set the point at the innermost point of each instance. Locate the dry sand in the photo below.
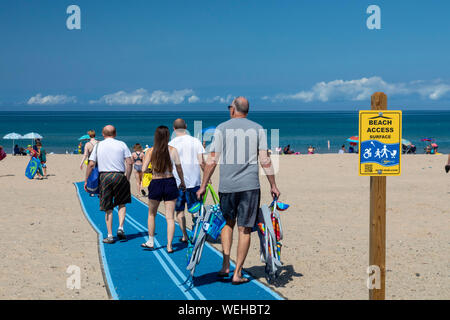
(325, 251)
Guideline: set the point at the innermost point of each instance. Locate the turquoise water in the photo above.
(61, 130)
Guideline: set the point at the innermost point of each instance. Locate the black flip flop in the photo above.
(236, 283)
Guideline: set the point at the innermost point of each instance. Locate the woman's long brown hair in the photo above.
(160, 159)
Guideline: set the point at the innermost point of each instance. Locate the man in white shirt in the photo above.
(113, 159)
(191, 153)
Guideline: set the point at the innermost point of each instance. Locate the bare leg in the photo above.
(152, 209)
(138, 182)
(243, 246)
(227, 239)
(141, 174)
(170, 211)
(182, 221)
(109, 221)
(122, 213)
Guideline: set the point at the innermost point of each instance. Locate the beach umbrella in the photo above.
(85, 137)
(353, 139)
(13, 136)
(32, 136)
(209, 130)
(427, 139)
(406, 142)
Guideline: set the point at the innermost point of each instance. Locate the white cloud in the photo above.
(51, 100)
(362, 89)
(143, 97)
(227, 99)
(193, 99)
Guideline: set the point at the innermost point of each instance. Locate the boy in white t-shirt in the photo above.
(191, 153)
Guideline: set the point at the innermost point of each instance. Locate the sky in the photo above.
(295, 54)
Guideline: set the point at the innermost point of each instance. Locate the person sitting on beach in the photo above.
(342, 150)
(239, 187)
(88, 147)
(428, 150)
(137, 156)
(191, 153)
(42, 154)
(287, 150)
(311, 150)
(16, 150)
(163, 186)
(113, 159)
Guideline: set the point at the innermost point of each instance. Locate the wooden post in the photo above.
(377, 246)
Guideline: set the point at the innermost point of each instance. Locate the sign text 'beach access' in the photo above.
(380, 135)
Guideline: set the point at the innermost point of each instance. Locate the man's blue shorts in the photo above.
(188, 197)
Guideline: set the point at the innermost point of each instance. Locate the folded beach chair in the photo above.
(209, 222)
(270, 234)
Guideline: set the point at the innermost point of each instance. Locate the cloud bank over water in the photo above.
(51, 100)
(362, 89)
(143, 97)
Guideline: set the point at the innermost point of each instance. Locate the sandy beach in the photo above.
(326, 243)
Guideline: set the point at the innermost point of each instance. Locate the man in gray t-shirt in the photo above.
(239, 144)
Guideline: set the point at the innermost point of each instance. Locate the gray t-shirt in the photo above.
(238, 141)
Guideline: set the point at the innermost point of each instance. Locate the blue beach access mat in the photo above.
(132, 272)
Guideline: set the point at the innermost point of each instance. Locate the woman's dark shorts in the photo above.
(243, 206)
(114, 190)
(163, 189)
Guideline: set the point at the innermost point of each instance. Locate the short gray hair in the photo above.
(241, 104)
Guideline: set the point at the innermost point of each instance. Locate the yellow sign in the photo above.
(380, 142)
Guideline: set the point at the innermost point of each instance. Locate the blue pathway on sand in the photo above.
(133, 272)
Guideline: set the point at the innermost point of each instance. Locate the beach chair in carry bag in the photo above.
(270, 232)
(209, 222)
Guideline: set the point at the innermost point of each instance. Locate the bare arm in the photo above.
(266, 164)
(146, 161)
(210, 166)
(176, 159)
(201, 161)
(129, 167)
(448, 159)
(85, 156)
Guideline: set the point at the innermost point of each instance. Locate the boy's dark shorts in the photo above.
(188, 197)
(114, 190)
(163, 189)
(243, 206)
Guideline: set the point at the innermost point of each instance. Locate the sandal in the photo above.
(242, 281)
(146, 246)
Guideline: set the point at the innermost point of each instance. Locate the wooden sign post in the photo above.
(377, 246)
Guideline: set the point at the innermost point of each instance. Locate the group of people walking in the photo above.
(176, 167)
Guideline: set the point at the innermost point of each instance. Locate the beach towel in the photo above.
(147, 177)
(92, 184)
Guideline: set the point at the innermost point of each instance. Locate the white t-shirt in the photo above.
(110, 155)
(188, 148)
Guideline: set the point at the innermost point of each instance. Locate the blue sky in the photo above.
(201, 53)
